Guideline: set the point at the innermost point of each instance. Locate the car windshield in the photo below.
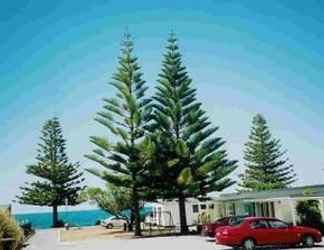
(237, 220)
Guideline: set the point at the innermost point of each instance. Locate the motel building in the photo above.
(279, 203)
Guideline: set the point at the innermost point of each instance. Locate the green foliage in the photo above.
(266, 166)
(10, 229)
(190, 159)
(113, 199)
(310, 214)
(58, 180)
(126, 116)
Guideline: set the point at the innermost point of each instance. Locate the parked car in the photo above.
(114, 222)
(208, 230)
(250, 232)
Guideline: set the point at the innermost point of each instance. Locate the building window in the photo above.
(195, 208)
(203, 206)
(231, 209)
(211, 206)
(273, 213)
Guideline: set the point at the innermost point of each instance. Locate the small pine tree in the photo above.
(266, 166)
(126, 116)
(191, 160)
(58, 179)
(112, 199)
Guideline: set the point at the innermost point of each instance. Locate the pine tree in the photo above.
(192, 160)
(126, 116)
(266, 166)
(58, 180)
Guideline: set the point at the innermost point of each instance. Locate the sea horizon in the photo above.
(80, 218)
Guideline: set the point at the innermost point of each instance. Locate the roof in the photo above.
(293, 192)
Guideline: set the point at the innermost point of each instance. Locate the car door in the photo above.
(260, 231)
(119, 223)
(115, 222)
(280, 232)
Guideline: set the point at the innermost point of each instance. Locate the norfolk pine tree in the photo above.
(192, 160)
(266, 164)
(58, 180)
(126, 117)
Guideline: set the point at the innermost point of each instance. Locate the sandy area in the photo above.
(99, 232)
(76, 234)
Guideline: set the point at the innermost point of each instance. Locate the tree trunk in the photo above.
(55, 216)
(182, 214)
(137, 217)
(131, 221)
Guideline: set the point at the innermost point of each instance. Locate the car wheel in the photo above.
(308, 241)
(110, 226)
(249, 244)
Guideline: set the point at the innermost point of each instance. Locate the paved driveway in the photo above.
(48, 240)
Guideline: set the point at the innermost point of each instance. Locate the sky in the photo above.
(245, 57)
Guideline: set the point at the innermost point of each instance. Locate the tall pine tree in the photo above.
(58, 180)
(192, 160)
(266, 164)
(126, 116)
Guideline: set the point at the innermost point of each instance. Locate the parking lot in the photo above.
(49, 240)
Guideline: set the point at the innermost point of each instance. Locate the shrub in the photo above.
(27, 229)
(310, 214)
(10, 229)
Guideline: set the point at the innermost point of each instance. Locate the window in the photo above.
(203, 206)
(236, 220)
(259, 224)
(195, 208)
(211, 206)
(230, 209)
(277, 224)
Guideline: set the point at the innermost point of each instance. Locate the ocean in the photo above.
(77, 218)
(74, 218)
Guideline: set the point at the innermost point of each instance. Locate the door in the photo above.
(260, 232)
(281, 233)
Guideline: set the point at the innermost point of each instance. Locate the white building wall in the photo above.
(212, 209)
(283, 210)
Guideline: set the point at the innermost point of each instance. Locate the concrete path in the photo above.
(48, 240)
(44, 240)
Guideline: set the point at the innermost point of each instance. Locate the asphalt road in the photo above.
(49, 240)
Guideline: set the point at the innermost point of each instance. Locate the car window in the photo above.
(277, 224)
(235, 221)
(259, 224)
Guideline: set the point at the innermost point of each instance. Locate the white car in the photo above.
(114, 222)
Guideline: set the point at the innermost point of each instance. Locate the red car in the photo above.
(250, 232)
(209, 229)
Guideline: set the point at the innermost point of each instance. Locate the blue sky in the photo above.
(244, 58)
